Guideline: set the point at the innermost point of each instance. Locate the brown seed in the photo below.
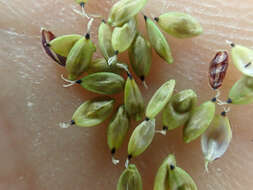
(217, 69)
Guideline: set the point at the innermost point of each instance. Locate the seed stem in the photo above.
(66, 124)
(114, 161)
(145, 84)
(162, 132)
(71, 83)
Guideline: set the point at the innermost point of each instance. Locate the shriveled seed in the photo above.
(93, 112)
(180, 25)
(160, 99)
(200, 119)
(216, 139)
(158, 41)
(130, 179)
(133, 99)
(141, 137)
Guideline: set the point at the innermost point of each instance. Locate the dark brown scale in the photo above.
(46, 37)
(217, 69)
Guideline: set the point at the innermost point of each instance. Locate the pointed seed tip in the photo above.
(156, 19)
(87, 36)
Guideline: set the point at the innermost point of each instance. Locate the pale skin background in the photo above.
(36, 154)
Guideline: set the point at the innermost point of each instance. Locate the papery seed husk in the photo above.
(179, 179)
(140, 55)
(123, 37)
(79, 58)
(130, 179)
(160, 99)
(242, 57)
(180, 25)
(242, 91)
(117, 129)
(199, 121)
(178, 111)
(105, 40)
(158, 41)
(93, 112)
(162, 175)
(133, 99)
(123, 10)
(141, 137)
(103, 83)
(63, 44)
(215, 141)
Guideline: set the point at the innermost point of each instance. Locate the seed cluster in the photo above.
(119, 34)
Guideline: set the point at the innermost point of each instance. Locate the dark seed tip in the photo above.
(229, 101)
(78, 82)
(147, 119)
(172, 167)
(72, 122)
(103, 20)
(47, 44)
(87, 36)
(129, 75)
(232, 45)
(223, 113)
(113, 151)
(82, 4)
(156, 19)
(116, 52)
(247, 65)
(165, 128)
(214, 99)
(142, 78)
(145, 17)
(129, 157)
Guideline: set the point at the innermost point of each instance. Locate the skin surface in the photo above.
(37, 154)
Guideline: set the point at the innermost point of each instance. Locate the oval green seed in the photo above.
(79, 57)
(181, 180)
(122, 37)
(216, 139)
(162, 175)
(117, 129)
(242, 91)
(199, 121)
(180, 25)
(158, 41)
(242, 58)
(105, 40)
(101, 65)
(140, 55)
(141, 138)
(133, 99)
(160, 99)
(63, 44)
(93, 112)
(178, 110)
(103, 83)
(124, 10)
(130, 179)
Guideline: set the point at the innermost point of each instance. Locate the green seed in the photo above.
(101, 65)
(80, 57)
(63, 44)
(103, 83)
(141, 138)
(158, 41)
(179, 24)
(180, 180)
(199, 121)
(133, 99)
(178, 110)
(105, 40)
(93, 112)
(124, 10)
(242, 91)
(130, 179)
(140, 55)
(122, 37)
(160, 99)
(117, 129)
(242, 58)
(216, 139)
(162, 175)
